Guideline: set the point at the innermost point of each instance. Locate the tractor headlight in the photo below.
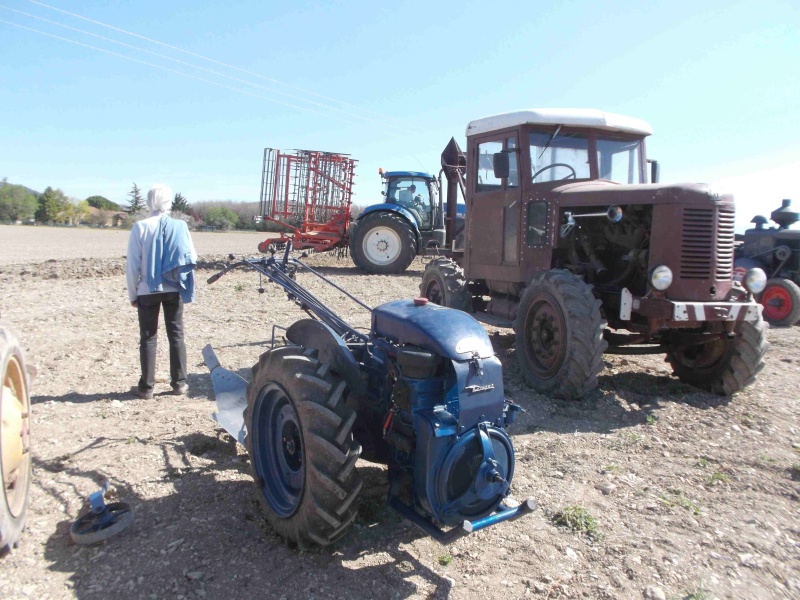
(755, 280)
(661, 277)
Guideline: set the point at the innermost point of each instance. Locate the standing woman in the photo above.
(160, 272)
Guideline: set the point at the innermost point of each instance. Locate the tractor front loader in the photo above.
(421, 392)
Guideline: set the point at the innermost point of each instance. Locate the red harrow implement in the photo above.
(309, 193)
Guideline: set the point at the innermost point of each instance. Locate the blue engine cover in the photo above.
(450, 333)
(463, 460)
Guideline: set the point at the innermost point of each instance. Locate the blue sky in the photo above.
(389, 84)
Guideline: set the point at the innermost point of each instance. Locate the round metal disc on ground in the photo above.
(91, 528)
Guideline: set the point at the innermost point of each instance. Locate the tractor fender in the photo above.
(395, 208)
(310, 333)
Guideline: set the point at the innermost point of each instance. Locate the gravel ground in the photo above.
(691, 493)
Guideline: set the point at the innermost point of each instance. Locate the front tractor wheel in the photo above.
(781, 301)
(725, 365)
(301, 447)
(383, 243)
(559, 335)
(15, 455)
(443, 283)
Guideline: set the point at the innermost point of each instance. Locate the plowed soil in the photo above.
(691, 493)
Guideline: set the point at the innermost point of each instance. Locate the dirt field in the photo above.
(692, 493)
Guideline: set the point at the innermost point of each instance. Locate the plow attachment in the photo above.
(229, 391)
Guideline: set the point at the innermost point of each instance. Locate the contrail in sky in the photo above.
(217, 62)
(178, 61)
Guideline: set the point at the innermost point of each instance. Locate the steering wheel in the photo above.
(574, 175)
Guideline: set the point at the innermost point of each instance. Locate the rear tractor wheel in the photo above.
(559, 335)
(301, 447)
(383, 243)
(781, 301)
(724, 366)
(443, 283)
(15, 463)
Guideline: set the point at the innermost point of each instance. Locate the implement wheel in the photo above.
(724, 366)
(301, 447)
(559, 335)
(15, 410)
(383, 243)
(443, 283)
(781, 301)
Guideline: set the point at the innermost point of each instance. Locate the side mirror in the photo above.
(654, 171)
(500, 164)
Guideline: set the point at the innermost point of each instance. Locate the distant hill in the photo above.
(27, 189)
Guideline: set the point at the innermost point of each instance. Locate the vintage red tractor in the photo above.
(568, 243)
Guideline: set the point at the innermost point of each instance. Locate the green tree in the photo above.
(221, 217)
(136, 202)
(16, 202)
(180, 204)
(80, 211)
(52, 206)
(102, 203)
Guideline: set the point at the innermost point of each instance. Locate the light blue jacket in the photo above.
(172, 258)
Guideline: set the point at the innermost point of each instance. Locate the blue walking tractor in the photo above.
(422, 392)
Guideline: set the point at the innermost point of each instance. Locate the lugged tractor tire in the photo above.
(781, 302)
(15, 455)
(559, 335)
(383, 243)
(444, 283)
(301, 447)
(726, 366)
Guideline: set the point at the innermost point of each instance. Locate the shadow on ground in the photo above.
(199, 386)
(622, 399)
(208, 538)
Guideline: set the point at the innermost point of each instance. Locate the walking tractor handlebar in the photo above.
(422, 392)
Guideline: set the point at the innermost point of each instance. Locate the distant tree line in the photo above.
(19, 203)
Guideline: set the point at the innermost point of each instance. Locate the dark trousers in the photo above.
(149, 307)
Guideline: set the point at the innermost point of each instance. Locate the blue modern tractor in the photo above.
(387, 236)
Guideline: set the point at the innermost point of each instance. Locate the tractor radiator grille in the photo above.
(697, 247)
(725, 238)
(707, 244)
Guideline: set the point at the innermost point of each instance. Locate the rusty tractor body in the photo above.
(567, 242)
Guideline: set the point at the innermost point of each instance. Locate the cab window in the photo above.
(536, 220)
(486, 181)
(556, 155)
(619, 160)
(411, 193)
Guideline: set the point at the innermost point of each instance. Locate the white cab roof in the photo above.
(576, 117)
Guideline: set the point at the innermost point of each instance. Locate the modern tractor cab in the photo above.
(411, 191)
(387, 236)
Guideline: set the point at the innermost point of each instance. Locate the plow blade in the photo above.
(229, 391)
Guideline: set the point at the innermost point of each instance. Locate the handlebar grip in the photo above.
(214, 278)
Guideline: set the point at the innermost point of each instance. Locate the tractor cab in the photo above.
(416, 192)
